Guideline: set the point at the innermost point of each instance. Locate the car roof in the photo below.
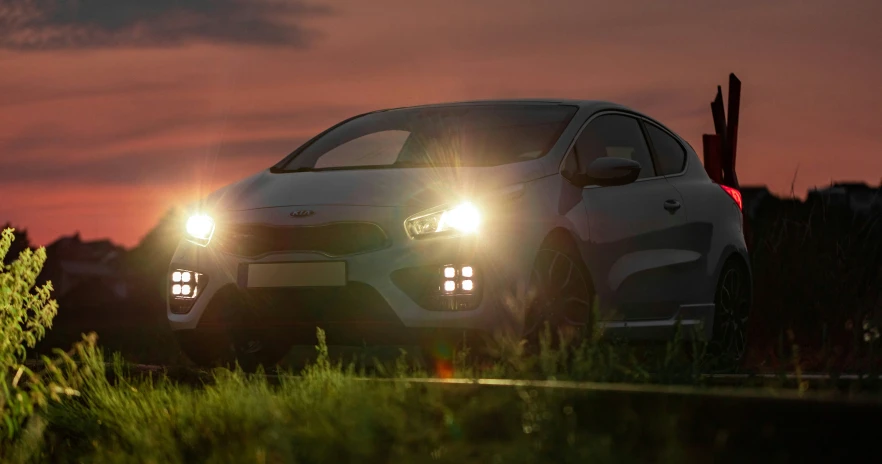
(594, 104)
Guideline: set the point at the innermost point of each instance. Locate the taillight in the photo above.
(734, 194)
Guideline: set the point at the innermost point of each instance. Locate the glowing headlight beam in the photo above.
(199, 228)
(464, 218)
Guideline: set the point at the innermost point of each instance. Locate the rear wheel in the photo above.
(563, 295)
(731, 310)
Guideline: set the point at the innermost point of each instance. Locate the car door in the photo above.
(631, 227)
(671, 159)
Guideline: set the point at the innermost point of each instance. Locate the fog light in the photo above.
(455, 288)
(186, 283)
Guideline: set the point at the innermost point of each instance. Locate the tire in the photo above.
(562, 294)
(728, 344)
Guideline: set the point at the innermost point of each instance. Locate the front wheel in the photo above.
(563, 295)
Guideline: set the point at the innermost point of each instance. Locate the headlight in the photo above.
(199, 229)
(463, 218)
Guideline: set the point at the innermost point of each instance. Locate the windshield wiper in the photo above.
(300, 169)
(410, 164)
(402, 164)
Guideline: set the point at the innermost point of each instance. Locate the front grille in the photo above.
(336, 239)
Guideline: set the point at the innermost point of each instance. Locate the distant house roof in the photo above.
(72, 248)
(72, 262)
(853, 185)
(840, 188)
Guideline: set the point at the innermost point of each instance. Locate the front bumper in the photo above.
(374, 300)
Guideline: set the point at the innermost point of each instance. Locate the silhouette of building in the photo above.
(73, 264)
(856, 196)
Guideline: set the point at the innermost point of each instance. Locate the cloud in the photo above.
(83, 24)
(157, 168)
(178, 148)
(31, 93)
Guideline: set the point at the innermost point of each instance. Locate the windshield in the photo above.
(472, 136)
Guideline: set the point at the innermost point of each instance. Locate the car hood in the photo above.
(369, 187)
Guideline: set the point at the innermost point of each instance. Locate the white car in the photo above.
(414, 225)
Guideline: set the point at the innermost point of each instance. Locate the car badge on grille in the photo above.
(302, 213)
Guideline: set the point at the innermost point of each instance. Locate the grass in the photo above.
(818, 285)
(327, 412)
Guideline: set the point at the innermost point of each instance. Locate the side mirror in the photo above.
(608, 171)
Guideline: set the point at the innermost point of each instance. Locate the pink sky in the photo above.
(103, 136)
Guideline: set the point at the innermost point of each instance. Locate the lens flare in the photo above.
(464, 218)
(200, 227)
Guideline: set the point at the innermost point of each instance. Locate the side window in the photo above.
(670, 155)
(614, 135)
(376, 148)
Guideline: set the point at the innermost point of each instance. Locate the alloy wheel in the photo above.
(730, 320)
(563, 295)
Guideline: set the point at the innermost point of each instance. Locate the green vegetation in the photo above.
(327, 414)
(26, 311)
(336, 412)
(817, 272)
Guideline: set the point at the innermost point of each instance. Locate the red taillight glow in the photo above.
(734, 194)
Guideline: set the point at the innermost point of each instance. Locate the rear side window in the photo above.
(614, 135)
(670, 155)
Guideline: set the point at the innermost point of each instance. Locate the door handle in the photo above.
(672, 205)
